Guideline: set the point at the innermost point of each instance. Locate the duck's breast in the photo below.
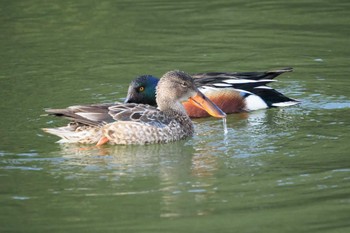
(227, 99)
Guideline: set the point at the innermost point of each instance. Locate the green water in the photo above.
(278, 170)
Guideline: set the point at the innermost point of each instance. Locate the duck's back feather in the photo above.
(92, 115)
(244, 75)
(141, 113)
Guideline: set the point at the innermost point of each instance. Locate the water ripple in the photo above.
(22, 168)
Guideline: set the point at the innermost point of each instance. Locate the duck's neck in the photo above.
(165, 105)
(177, 111)
(179, 114)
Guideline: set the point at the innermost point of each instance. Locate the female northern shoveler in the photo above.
(120, 123)
(231, 92)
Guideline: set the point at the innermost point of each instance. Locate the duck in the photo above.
(232, 92)
(132, 123)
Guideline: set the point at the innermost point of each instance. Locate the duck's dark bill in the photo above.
(201, 101)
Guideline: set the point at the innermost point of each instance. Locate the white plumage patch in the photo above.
(285, 104)
(254, 102)
(221, 85)
(243, 81)
(91, 116)
(264, 87)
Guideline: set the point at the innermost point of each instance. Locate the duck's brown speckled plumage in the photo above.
(133, 123)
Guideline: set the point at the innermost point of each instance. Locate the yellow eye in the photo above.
(141, 89)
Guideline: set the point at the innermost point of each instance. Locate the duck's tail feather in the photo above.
(92, 115)
(70, 134)
(272, 98)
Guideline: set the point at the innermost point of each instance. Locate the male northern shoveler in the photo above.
(231, 92)
(120, 123)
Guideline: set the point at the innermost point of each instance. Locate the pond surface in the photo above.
(277, 170)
